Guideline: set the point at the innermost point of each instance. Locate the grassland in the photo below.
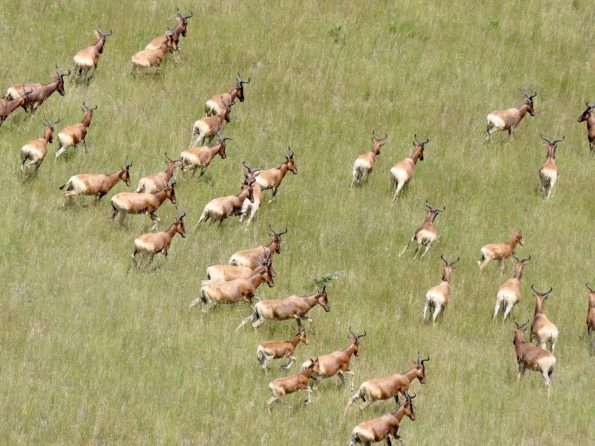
(92, 352)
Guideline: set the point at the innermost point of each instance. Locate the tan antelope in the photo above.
(591, 316)
(588, 116)
(33, 152)
(72, 135)
(145, 59)
(254, 256)
(86, 59)
(208, 126)
(294, 383)
(271, 350)
(272, 178)
(95, 184)
(224, 273)
(391, 386)
(126, 203)
(531, 357)
(222, 208)
(158, 242)
(437, 296)
(200, 157)
(386, 426)
(509, 119)
(509, 294)
(7, 106)
(38, 92)
(403, 171)
(179, 30)
(250, 208)
(548, 172)
(542, 328)
(216, 105)
(500, 251)
(158, 181)
(364, 164)
(426, 234)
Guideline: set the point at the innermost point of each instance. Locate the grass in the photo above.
(93, 352)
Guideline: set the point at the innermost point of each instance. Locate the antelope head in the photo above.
(276, 239)
(432, 212)
(125, 173)
(355, 340)
(519, 238)
(519, 265)
(421, 368)
(101, 36)
(240, 87)
(322, 298)
(289, 160)
(419, 147)
(409, 410)
(183, 21)
(60, 77)
(528, 100)
(587, 113)
(50, 128)
(551, 145)
(448, 268)
(222, 145)
(378, 142)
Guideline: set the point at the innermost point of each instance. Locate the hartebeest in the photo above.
(200, 157)
(531, 357)
(158, 181)
(72, 135)
(548, 172)
(153, 58)
(509, 294)
(391, 386)
(271, 350)
(403, 171)
(126, 203)
(39, 92)
(33, 152)
(222, 208)
(96, 184)
(224, 273)
(254, 256)
(500, 251)
(216, 105)
(272, 178)
(542, 328)
(7, 106)
(437, 296)
(250, 208)
(179, 30)
(208, 126)
(589, 116)
(509, 119)
(364, 164)
(87, 58)
(426, 234)
(591, 316)
(154, 243)
(294, 383)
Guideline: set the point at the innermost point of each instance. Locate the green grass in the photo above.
(92, 352)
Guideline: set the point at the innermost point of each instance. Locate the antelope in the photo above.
(294, 383)
(509, 294)
(403, 171)
(72, 135)
(254, 256)
(154, 243)
(39, 92)
(209, 126)
(426, 234)
(589, 117)
(195, 157)
(270, 350)
(222, 208)
(591, 316)
(548, 172)
(179, 30)
(153, 58)
(251, 207)
(510, 119)
(216, 105)
(97, 184)
(224, 273)
(500, 251)
(386, 426)
(438, 295)
(542, 328)
(158, 181)
(531, 357)
(364, 164)
(33, 152)
(126, 203)
(272, 178)
(87, 58)
(7, 106)
(391, 386)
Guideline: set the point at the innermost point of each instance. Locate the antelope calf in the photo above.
(209, 126)
(126, 203)
(250, 208)
(510, 119)
(294, 383)
(222, 208)
(217, 104)
(589, 117)
(270, 350)
(200, 157)
(87, 58)
(500, 251)
(179, 30)
(33, 152)
(7, 106)
(272, 178)
(548, 172)
(158, 181)
(254, 256)
(542, 328)
(438, 295)
(72, 135)
(509, 294)
(96, 184)
(531, 357)
(403, 171)
(591, 316)
(426, 234)
(391, 386)
(38, 92)
(364, 164)
(154, 243)
(145, 59)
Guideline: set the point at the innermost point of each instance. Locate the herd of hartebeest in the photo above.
(248, 269)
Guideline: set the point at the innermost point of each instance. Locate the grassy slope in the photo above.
(94, 353)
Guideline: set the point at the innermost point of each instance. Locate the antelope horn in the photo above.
(452, 263)
(526, 260)
(590, 106)
(546, 140)
(424, 360)
(515, 257)
(427, 205)
(186, 17)
(361, 336)
(352, 333)
(418, 357)
(289, 152)
(589, 288)
(443, 259)
(240, 80)
(558, 140)
(284, 232)
(46, 121)
(167, 158)
(541, 294)
(415, 140)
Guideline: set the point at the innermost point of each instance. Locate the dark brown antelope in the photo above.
(591, 316)
(72, 135)
(250, 208)
(7, 106)
(271, 350)
(542, 328)
(208, 126)
(403, 171)
(158, 181)
(500, 251)
(509, 119)
(95, 184)
(254, 256)
(426, 234)
(216, 105)
(589, 117)
(194, 158)
(222, 208)
(272, 178)
(364, 164)
(548, 172)
(145, 59)
(531, 357)
(509, 294)
(437, 296)
(158, 242)
(294, 383)
(33, 152)
(179, 30)
(87, 58)
(39, 92)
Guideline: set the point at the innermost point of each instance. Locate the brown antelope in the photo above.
(153, 58)
(272, 178)
(33, 152)
(158, 181)
(542, 328)
(270, 350)
(179, 30)
(216, 105)
(391, 386)
(591, 316)
(154, 243)
(386, 426)
(548, 172)
(72, 135)
(589, 117)
(209, 126)
(250, 208)
(531, 357)
(426, 234)
(510, 119)
(200, 157)
(222, 208)
(96, 184)
(509, 294)
(403, 171)
(87, 58)
(294, 383)
(7, 106)
(254, 256)
(224, 273)
(500, 251)
(364, 164)
(39, 92)
(438, 295)
(126, 203)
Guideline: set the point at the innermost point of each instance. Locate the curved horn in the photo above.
(452, 263)
(558, 140)
(443, 259)
(539, 293)
(352, 333)
(546, 140)
(589, 288)
(289, 152)
(167, 158)
(526, 260)
(240, 80)
(424, 360)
